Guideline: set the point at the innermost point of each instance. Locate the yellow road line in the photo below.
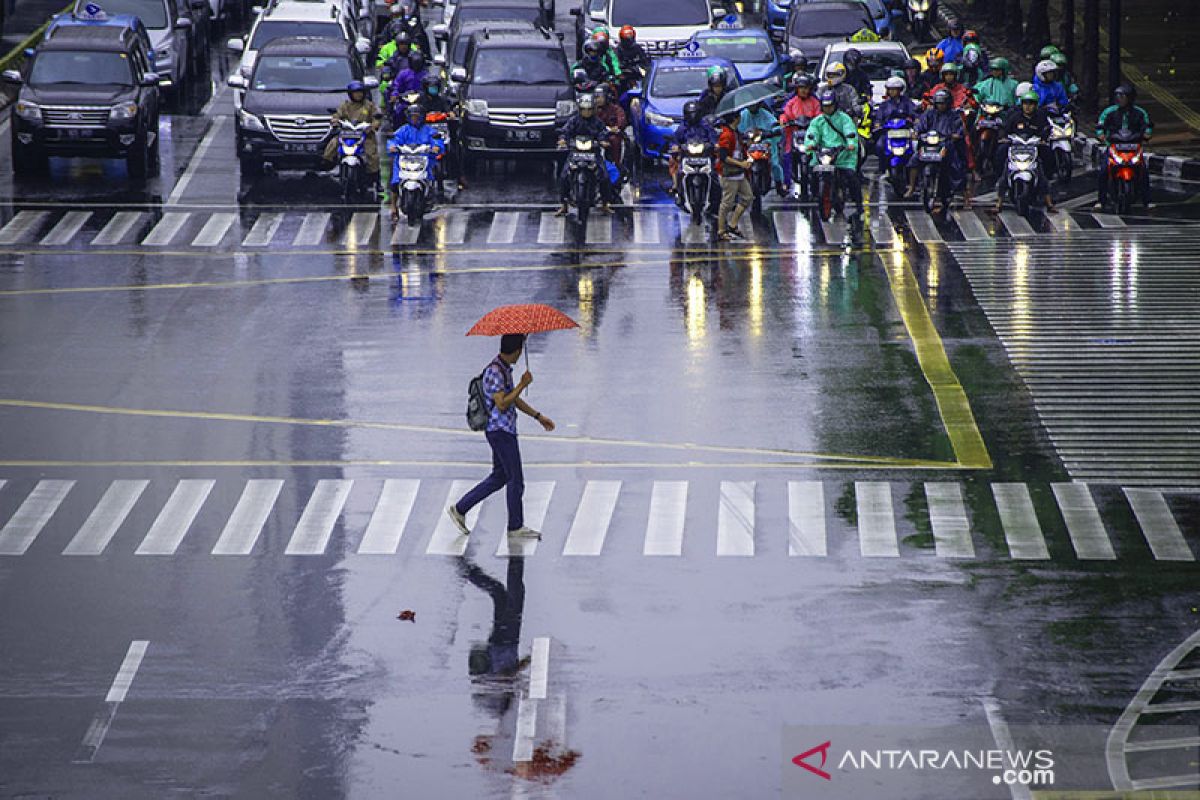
(244, 463)
(461, 432)
(952, 402)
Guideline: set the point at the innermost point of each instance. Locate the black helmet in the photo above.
(852, 58)
(431, 83)
(803, 80)
(941, 96)
(415, 110)
(402, 37)
(591, 49)
(691, 112)
(416, 61)
(912, 63)
(716, 75)
(1125, 89)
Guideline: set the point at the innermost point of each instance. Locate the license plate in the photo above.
(523, 136)
(80, 133)
(931, 156)
(824, 168)
(300, 147)
(696, 162)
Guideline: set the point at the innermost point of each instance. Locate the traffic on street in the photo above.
(601, 399)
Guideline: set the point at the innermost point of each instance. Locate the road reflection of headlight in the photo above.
(697, 310)
(756, 294)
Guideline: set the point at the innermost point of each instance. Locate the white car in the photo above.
(295, 18)
(879, 59)
(663, 27)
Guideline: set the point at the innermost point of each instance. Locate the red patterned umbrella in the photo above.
(528, 318)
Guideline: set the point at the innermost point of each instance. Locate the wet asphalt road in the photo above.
(799, 482)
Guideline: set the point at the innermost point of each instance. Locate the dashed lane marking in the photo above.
(116, 695)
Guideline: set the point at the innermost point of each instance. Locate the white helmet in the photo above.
(1045, 66)
(1023, 87)
(895, 82)
(835, 73)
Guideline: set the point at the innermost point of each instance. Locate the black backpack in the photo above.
(477, 412)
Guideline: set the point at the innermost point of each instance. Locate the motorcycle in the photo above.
(439, 121)
(416, 188)
(696, 182)
(898, 144)
(352, 168)
(921, 14)
(1124, 161)
(400, 108)
(987, 127)
(1022, 172)
(935, 184)
(583, 167)
(829, 194)
(1062, 132)
(758, 150)
(801, 168)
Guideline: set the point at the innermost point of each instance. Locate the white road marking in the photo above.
(882, 231)
(526, 730)
(1017, 225)
(1084, 525)
(689, 233)
(214, 230)
(21, 226)
(116, 695)
(455, 226)
(664, 526)
(1109, 221)
(128, 669)
(876, 519)
(834, 230)
(806, 519)
(312, 532)
(785, 226)
(539, 668)
(361, 229)
(215, 131)
(1062, 221)
(245, 524)
(735, 519)
(1158, 525)
(599, 229)
(537, 503)
(645, 227)
(1021, 528)
(117, 228)
(1079, 202)
(447, 540)
(390, 517)
(264, 230)
(551, 229)
(922, 227)
(590, 526)
(1004, 741)
(106, 518)
(32, 515)
(971, 225)
(166, 229)
(66, 228)
(175, 518)
(504, 227)
(403, 233)
(948, 518)
(312, 229)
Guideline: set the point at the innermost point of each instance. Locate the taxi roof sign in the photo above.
(730, 22)
(692, 50)
(92, 12)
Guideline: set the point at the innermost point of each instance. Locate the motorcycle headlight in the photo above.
(918, 5)
(695, 149)
(659, 120)
(991, 108)
(29, 111)
(932, 138)
(564, 108)
(123, 111)
(826, 159)
(249, 121)
(583, 145)
(476, 108)
(1069, 129)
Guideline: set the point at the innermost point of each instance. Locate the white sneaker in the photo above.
(526, 532)
(459, 520)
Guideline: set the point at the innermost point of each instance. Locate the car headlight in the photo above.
(29, 111)
(918, 5)
(123, 111)
(564, 108)
(477, 108)
(659, 120)
(249, 121)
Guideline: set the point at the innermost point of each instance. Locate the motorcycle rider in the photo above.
(896, 105)
(1047, 86)
(435, 102)
(357, 108)
(759, 117)
(972, 38)
(952, 46)
(592, 64)
(960, 93)
(393, 55)
(1064, 75)
(407, 17)
(415, 133)
(973, 65)
(835, 128)
(732, 165)
(613, 117)
(631, 56)
(801, 105)
(694, 127)
(795, 63)
(607, 55)
(408, 80)
(931, 76)
(1124, 114)
(846, 95)
(856, 76)
(585, 123)
(1025, 120)
(998, 88)
(912, 80)
(948, 122)
(718, 84)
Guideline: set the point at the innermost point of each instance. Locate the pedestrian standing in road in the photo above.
(736, 192)
(503, 400)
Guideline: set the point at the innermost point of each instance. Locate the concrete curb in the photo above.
(1158, 164)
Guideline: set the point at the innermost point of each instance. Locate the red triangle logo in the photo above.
(823, 749)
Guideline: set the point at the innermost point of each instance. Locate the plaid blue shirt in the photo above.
(497, 377)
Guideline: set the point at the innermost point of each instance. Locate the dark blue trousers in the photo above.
(506, 472)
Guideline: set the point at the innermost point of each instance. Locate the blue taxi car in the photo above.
(658, 108)
(751, 51)
(93, 14)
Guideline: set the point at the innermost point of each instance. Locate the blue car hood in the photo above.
(751, 71)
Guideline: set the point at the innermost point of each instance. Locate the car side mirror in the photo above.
(371, 82)
(256, 10)
(634, 92)
(597, 16)
(718, 13)
(236, 81)
(12, 76)
(183, 23)
(235, 45)
(458, 74)
(149, 79)
(440, 30)
(575, 12)
(439, 59)
(363, 46)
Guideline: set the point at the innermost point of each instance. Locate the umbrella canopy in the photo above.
(528, 318)
(746, 96)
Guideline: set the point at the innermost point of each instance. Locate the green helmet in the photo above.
(1047, 52)
(1060, 59)
(999, 63)
(949, 66)
(1031, 95)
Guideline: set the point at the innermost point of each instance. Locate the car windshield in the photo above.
(517, 13)
(878, 64)
(511, 65)
(685, 13)
(738, 48)
(812, 22)
(459, 54)
(268, 32)
(302, 74)
(679, 81)
(88, 67)
(152, 13)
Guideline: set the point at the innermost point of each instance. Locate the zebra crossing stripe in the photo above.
(66, 228)
(32, 515)
(1109, 220)
(106, 518)
(1017, 225)
(361, 229)
(1158, 525)
(882, 232)
(806, 518)
(664, 526)
(786, 223)
(552, 229)
(118, 228)
(264, 230)
(312, 230)
(21, 226)
(166, 229)
(539, 668)
(504, 227)
(922, 227)
(590, 526)
(214, 230)
(1062, 221)
(735, 519)
(318, 518)
(447, 540)
(834, 230)
(645, 227)
(689, 233)
(246, 522)
(452, 229)
(405, 234)
(537, 503)
(390, 516)
(1084, 525)
(876, 520)
(175, 518)
(971, 225)
(1019, 520)
(948, 519)
(599, 229)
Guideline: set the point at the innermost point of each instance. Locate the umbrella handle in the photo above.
(526, 349)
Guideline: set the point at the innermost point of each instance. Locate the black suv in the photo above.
(297, 84)
(514, 92)
(89, 91)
